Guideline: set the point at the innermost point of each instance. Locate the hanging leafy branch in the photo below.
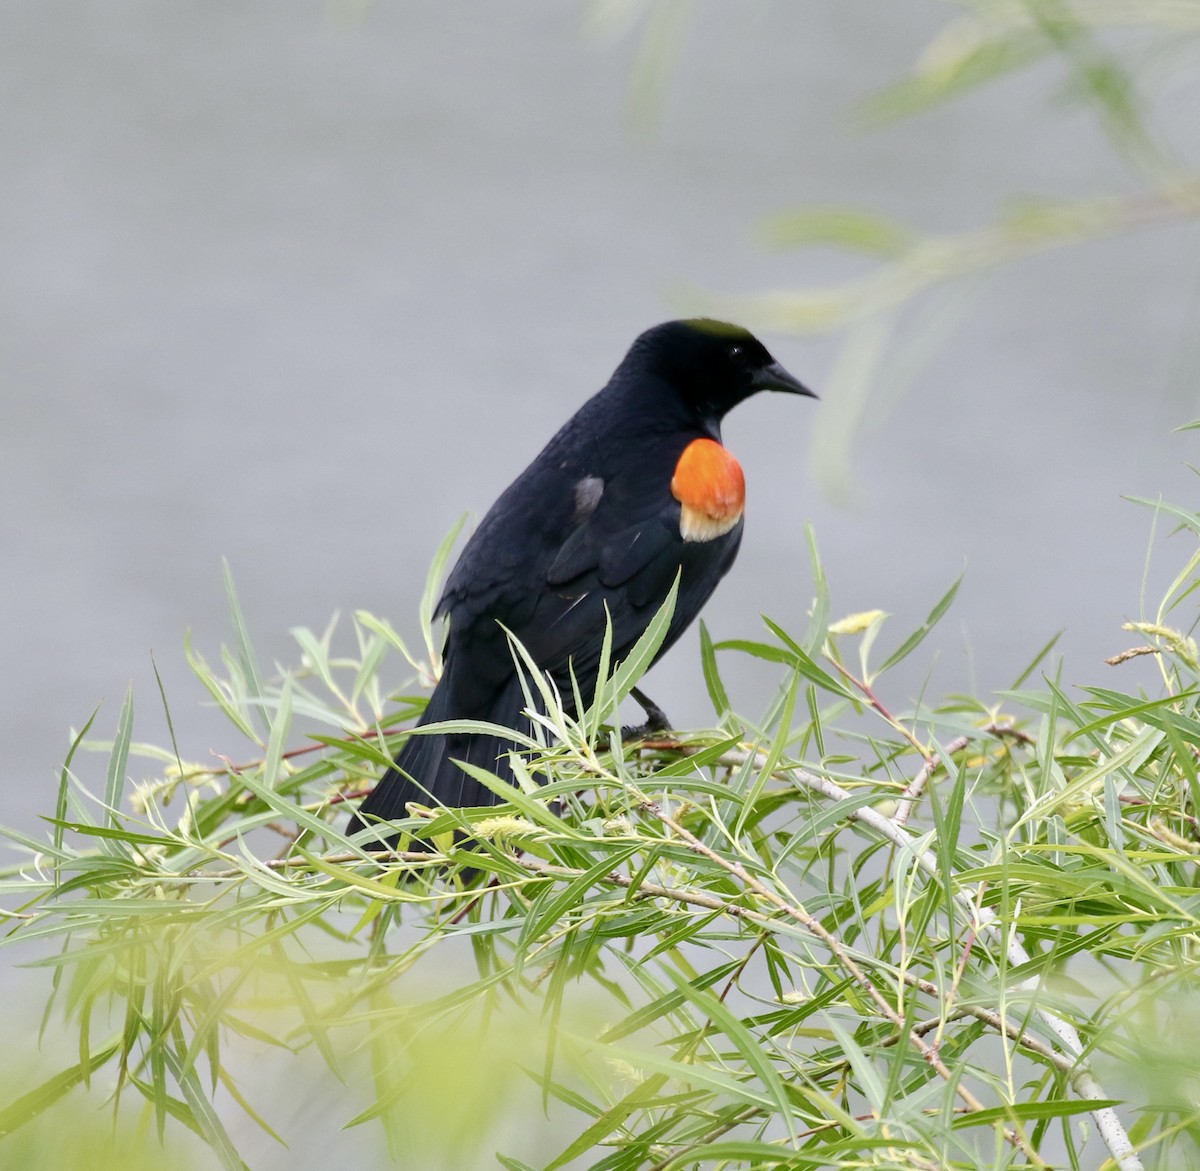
(916, 286)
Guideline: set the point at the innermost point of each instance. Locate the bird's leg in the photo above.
(656, 718)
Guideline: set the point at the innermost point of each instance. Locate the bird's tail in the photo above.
(426, 772)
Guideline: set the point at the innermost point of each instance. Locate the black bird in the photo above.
(635, 489)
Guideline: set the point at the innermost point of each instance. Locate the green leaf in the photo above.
(952, 75)
(818, 625)
(212, 685)
(27, 1107)
(109, 833)
(288, 809)
(384, 630)
(707, 1077)
(117, 761)
(915, 639)
(1035, 662)
(281, 725)
(1026, 1111)
(1188, 519)
(162, 694)
(368, 669)
(245, 651)
(317, 652)
(557, 905)
(803, 662)
(64, 780)
(433, 589)
(644, 651)
(764, 771)
(639, 1097)
(747, 1044)
(759, 650)
(601, 705)
(840, 227)
(666, 1003)
(510, 1164)
(712, 676)
(532, 807)
(204, 1114)
(825, 1157)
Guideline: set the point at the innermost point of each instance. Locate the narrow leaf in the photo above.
(915, 639)
(27, 1107)
(119, 758)
(245, 651)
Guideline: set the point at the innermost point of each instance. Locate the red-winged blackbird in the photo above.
(633, 491)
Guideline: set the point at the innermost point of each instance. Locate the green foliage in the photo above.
(843, 934)
(90, 1141)
(840, 936)
(1117, 61)
(1101, 51)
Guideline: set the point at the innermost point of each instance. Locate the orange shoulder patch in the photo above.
(711, 489)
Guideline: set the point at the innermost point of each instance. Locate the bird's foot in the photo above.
(656, 719)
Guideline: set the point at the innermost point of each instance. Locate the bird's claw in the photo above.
(656, 719)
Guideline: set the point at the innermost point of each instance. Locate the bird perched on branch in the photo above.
(634, 491)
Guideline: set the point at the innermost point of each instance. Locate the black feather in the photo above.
(589, 532)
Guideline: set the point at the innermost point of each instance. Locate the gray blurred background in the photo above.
(299, 284)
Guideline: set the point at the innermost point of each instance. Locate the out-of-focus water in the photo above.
(299, 284)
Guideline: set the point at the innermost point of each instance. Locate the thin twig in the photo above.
(797, 912)
(876, 703)
(1010, 732)
(1068, 1065)
(911, 793)
(1134, 800)
(984, 923)
(228, 766)
(1082, 1079)
(1134, 652)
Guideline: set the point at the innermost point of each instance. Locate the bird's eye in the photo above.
(736, 352)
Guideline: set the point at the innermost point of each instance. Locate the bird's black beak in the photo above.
(775, 377)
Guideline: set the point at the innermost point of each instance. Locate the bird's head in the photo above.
(712, 365)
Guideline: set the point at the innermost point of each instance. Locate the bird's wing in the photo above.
(557, 558)
(619, 565)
